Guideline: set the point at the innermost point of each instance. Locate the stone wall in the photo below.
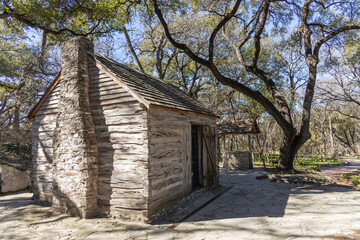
(75, 165)
(237, 160)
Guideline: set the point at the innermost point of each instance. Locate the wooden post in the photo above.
(331, 138)
(224, 150)
(261, 150)
(251, 153)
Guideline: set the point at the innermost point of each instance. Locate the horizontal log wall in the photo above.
(170, 154)
(43, 128)
(121, 129)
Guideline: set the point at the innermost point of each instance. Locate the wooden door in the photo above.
(210, 164)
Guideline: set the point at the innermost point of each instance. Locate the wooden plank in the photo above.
(104, 97)
(51, 101)
(163, 193)
(105, 183)
(101, 80)
(124, 119)
(101, 77)
(44, 97)
(165, 144)
(48, 111)
(161, 133)
(166, 162)
(118, 106)
(161, 183)
(165, 154)
(48, 106)
(106, 141)
(128, 148)
(110, 82)
(103, 92)
(117, 112)
(121, 83)
(133, 128)
(114, 192)
(121, 156)
(113, 101)
(103, 88)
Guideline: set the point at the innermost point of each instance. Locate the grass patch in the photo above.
(311, 163)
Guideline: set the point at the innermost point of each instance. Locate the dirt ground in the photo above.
(337, 173)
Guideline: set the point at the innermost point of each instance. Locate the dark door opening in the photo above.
(196, 156)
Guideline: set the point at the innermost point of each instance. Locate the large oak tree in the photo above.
(245, 26)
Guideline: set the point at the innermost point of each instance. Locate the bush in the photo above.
(17, 148)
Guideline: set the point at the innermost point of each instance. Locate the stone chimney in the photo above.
(75, 165)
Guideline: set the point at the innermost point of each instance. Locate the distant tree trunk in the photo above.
(131, 49)
(16, 115)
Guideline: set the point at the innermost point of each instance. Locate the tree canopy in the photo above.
(237, 56)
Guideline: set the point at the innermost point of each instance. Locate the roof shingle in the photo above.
(153, 90)
(244, 126)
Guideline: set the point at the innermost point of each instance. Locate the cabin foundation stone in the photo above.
(238, 160)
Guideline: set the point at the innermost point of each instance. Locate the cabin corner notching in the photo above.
(110, 140)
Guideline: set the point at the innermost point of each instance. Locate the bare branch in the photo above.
(131, 48)
(258, 33)
(332, 35)
(221, 24)
(181, 46)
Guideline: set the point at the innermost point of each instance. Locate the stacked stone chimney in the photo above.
(75, 165)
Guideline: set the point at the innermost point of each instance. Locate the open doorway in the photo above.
(196, 157)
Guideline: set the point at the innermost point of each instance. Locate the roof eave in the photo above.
(46, 94)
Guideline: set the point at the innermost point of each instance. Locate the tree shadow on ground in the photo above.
(249, 201)
(257, 198)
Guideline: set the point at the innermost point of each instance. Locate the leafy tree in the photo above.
(23, 73)
(76, 18)
(245, 26)
(342, 83)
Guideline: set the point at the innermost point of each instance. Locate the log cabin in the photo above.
(108, 140)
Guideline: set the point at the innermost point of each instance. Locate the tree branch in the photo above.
(181, 46)
(131, 48)
(258, 33)
(221, 24)
(332, 35)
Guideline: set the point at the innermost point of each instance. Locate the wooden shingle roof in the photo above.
(153, 90)
(244, 126)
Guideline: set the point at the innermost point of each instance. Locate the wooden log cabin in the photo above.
(110, 140)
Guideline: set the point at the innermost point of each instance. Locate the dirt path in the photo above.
(336, 173)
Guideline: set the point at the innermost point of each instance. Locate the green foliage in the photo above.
(356, 181)
(62, 18)
(315, 168)
(13, 54)
(17, 148)
(311, 163)
(15, 152)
